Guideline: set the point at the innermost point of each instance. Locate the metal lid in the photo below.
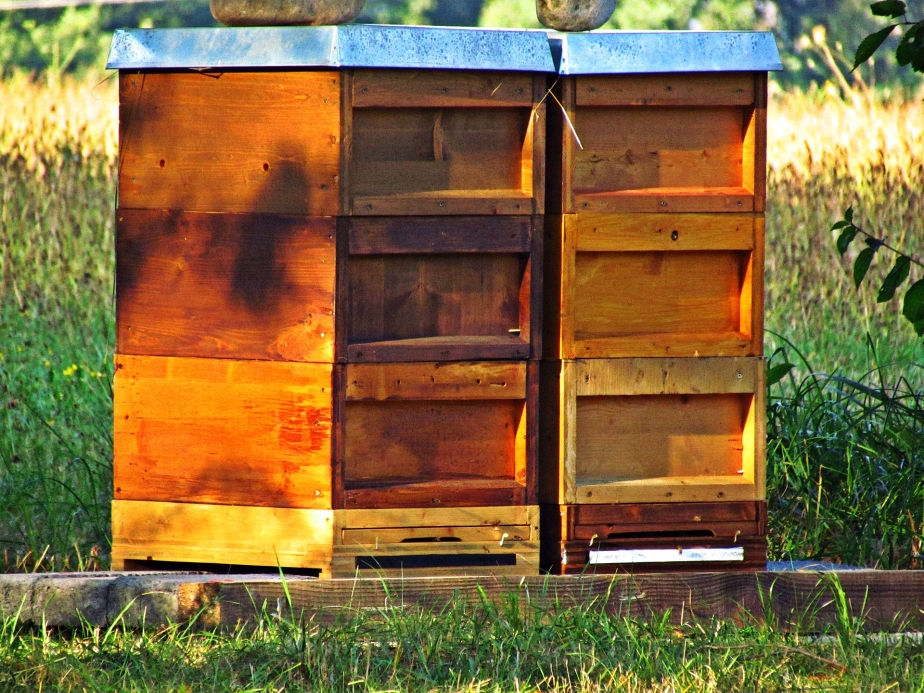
(628, 52)
(351, 45)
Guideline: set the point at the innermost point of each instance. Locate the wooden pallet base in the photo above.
(654, 537)
(665, 554)
(327, 543)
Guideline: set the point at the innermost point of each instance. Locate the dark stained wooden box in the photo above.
(315, 289)
(677, 142)
(622, 285)
(647, 430)
(328, 143)
(439, 434)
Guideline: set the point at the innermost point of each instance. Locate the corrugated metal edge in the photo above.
(640, 52)
(351, 45)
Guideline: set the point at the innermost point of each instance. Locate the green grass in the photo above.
(512, 646)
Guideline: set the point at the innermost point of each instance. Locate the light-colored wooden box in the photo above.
(328, 143)
(648, 430)
(333, 543)
(621, 285)
(678, 142)
(316, 436)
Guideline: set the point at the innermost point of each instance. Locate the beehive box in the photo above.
(332, 142)
(676, 142)
(649, 430)
(271, 434)
(654, 285)
(319, 289)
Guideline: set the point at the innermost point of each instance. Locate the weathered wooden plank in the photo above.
(663, 294)
(723, 199)
(436, 381)
(397, 442)
(449, 348)
(641, 376)
(412, 150)
(188, 141)
(879, 600)
(644, 148)
(693, 90)
(223, 431)
(452, 202)
(441, 88)
(485, 516)
(191, 533)
(662, 232)
(436, 300)
(441, 492)
(418, 235)
(653, 430)
(225, 285)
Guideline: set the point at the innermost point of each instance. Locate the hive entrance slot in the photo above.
(424, 540)
(434, 561)
(666, 534)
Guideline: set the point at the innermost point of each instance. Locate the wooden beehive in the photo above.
(329, 290)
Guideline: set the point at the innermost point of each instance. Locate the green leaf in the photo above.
(869, 45)
(840, 224)
(888, 8)
(776, 373)
(847, 235)
(894, 278)
(911, 48)
(861, 265)
(919, 327)
(913, 305)
(848, 214)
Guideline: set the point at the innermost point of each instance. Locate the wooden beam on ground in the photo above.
(881, 600)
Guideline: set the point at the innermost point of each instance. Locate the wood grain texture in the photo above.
(418, 435)
(652, 430)
(266, 142)
(435, 381)
(662, 232)
(879, 600)
(442, 88)
(692, 90)
(223, 431)
(643, 148)
(422, 235)
(653, 285)
(225, 285)
(237, 535)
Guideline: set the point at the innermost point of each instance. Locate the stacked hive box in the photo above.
(653, 389)
(328, 262)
